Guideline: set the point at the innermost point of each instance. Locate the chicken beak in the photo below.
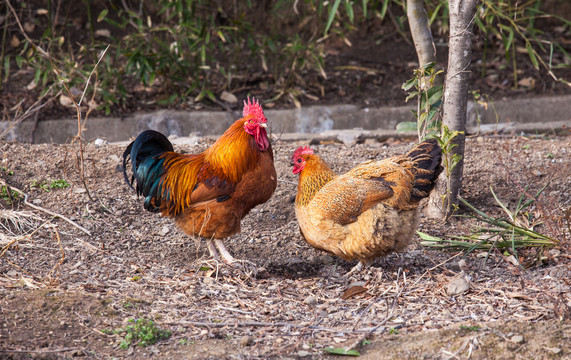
(291, 163)
(264, 125)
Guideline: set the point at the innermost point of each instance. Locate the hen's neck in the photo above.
(313, 177)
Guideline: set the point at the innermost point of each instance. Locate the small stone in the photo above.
(164, 230)
(37, 202)
(555, 252)
(303, 353)
(208, 280)
(99, 142)
(66, 101)
(555, 350)
(517, 339)
(246, 341)
(310, 300)
(458, 286)
(462, 264)
(326, 259)
(228, 97)
(79, 190)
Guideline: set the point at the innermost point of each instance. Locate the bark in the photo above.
(421, 36)
(455, 102)
(420, 30)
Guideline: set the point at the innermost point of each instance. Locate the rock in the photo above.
(164, 230)
(326, 259)
(66, 101)
(303, 353)
(555, 350)
(37, 202)
(99, 142)
(517, 339)
(246, 341)
(310, 300)
(462, 264)
(208, 280)
(458, 286)
(228, 97)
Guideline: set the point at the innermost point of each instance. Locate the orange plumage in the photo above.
(369, 211)
(207, 193)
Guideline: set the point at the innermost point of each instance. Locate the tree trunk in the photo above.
(445, 197)
(420, 30)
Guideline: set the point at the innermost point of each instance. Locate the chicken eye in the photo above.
(299, 160)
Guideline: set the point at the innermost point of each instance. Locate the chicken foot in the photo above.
(219, 252)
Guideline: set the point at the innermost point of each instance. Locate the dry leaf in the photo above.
(352, 291)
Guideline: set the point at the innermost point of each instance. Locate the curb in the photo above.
(345, 123)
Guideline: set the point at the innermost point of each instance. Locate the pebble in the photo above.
(208, 280)
(555, 350)
(518, 339)
(37, 202)
(310, 300)
(246, 341)
(326, 259)
(164, 230)
(228, 97)
(458, 286)
(303, 353)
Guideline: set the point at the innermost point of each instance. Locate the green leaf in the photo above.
(532, 56)
(349, 9)
(409, 84)
(406, 126)
(332, 12)
(384, 8)
(341, 351)
(427, 237)
(102, 15)
(434, 94)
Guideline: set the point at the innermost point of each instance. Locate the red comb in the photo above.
(252, 107)
(301, 151)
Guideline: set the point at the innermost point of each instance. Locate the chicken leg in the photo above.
(219, 252)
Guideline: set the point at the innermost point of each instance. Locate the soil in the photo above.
(66, 292)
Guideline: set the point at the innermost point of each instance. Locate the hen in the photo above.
(208, 193)
(369, 211)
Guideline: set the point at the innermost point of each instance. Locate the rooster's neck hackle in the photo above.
(234, 152)
(312, 178)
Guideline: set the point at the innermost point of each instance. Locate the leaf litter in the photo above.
(138, 265)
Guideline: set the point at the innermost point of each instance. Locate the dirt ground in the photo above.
(64, 290)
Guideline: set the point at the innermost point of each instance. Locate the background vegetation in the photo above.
(180, 52)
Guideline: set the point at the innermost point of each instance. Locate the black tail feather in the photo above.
(146, 167)
(427, 157)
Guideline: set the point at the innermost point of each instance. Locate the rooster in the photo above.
(369, 211)
(208, 193)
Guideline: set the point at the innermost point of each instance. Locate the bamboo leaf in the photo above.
(331, 16)
(349, 9)
(341, 351)
(532, 56)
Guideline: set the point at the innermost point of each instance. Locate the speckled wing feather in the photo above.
(348, 196)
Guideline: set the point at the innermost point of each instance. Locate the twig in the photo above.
(382, 323)
(268, 324)
(42, 351)
(50, 212)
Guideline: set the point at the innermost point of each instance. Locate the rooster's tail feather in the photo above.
(427, 158)
(147, 165)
